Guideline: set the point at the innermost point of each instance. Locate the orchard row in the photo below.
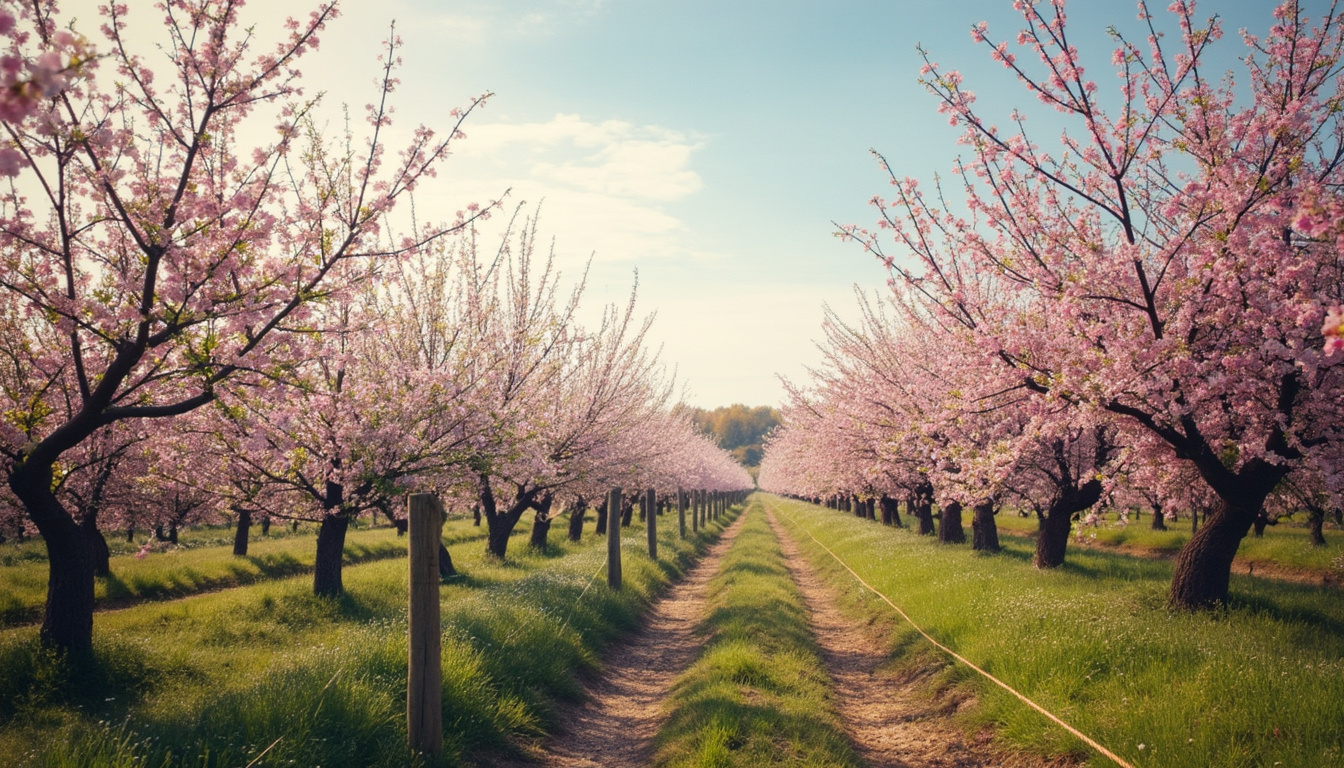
(209, 311)
(1146, 312)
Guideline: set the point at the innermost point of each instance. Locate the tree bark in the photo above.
(500, 524)
(67, 618)
(541, 524)
(1159, 519)
(1316, 523)
(265, 525)
(1204, 565)
(240, 536)
(627, 511)
(950, 530)
(330, 544)
(576, 519)
(1052, 537)
(102, 556)
(984, 530)
(601, 519)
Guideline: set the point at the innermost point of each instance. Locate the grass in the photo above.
(1260, 683)
(1286, 545)
(218, 679)
(758, 694)
(203, 562)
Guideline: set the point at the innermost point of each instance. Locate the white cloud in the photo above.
(606, 185)
(611, 157)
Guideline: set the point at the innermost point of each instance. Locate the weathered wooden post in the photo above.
(424, 686)
(651, 521)
(614, 538)
(681, 511)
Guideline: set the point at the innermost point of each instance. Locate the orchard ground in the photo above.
(219, 677)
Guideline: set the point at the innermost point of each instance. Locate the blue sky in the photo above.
(708, 145)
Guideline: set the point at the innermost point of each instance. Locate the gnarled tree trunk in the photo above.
(330, 543)
(541, 524)
(1159, 518)
(984, 530)
(576, 519)
(950, 530)
(102, 556)
(67, 619)
(240, 536)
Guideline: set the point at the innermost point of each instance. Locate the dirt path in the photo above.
(890, 718)
(616, 725)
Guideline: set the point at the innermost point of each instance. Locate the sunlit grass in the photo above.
(758, 695)
(1285, 544)
(203, 562)
(1260, 683)
(215, 679)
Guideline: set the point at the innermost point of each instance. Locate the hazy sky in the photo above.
(707, 144)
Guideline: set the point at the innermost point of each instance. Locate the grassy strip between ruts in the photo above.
(1260, 683)
(216, 679)
(758, 695)
(180, 571)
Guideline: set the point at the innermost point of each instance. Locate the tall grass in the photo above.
(758, 695)
(1284, 544)
(198, 566)
(1260, 683)
(220, 678)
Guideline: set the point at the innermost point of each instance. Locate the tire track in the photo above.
(615, 726)
(891, 719)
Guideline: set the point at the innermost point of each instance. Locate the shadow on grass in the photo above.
(34, 678)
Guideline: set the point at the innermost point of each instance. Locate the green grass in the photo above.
(758, 694)
(1258, 684)
(216, 679)
(1286, 544)
(202, 563)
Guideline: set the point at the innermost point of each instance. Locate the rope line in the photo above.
(1084, 737)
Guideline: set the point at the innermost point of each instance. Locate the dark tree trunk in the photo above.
(500, 523)
(330, 544)
(984, 530)
(1052, 537)
(476, 515)
(67, 620)
(1159, 519)
(1194, 521)
(102, 556)
(1316, 523)
(923, 511)
(1259, 524)
(950, 530)
(627, 511)
(1204, 565)
(601, 519)
(265, 525)
(240, 536)
(576, 519)
(172, 534)
(130, 534)
(541, 524)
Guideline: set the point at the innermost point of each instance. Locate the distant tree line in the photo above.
(740, 430)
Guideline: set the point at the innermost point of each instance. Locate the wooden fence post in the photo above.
(651, 521)
(614, 538)
(424, 686)
(681, 511)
